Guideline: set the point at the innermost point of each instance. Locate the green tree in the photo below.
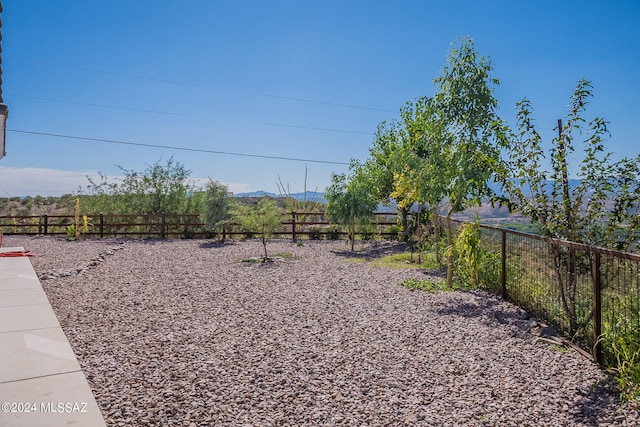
(265, 218)
(397, 166)
(218, 204)
(159, 188)
(473, 135)
(421, 178)
(384, 164)
(349, 200)
(599, 208)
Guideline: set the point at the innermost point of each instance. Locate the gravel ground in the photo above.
(181, 333)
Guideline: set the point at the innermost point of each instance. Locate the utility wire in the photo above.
(133, 76)
(199, 150)
(93, 70)
(196, 116)
(335, 104)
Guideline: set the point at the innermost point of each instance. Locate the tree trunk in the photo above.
(404, 214)
(436, 234)
(264, 243)
(352, 232)
(419, 237)
(450, 247)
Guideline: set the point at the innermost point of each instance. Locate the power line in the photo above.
(93, 70)
(199, 150)
(179, 83)
(196, 116)
(335, 104)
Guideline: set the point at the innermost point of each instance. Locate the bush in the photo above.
(392, 232)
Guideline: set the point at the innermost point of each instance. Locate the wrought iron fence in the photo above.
(589, 294)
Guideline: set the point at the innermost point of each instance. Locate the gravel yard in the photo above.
(181, 333)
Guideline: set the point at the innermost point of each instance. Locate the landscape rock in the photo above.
(180, 332)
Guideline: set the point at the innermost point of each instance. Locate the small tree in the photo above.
(600, 208)
(218, 204)
(264, 218)
(349, 201)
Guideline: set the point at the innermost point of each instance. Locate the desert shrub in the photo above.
(315, 233)
(263, 218)
(475, 265)
(394, 231)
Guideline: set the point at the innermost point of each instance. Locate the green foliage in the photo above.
(264, 218)
(159, 188)
(474, 265)
(430, 286)
(393, 232)
(561, 208)
(71, 232)
(406, 260)
(349, 201)
(470, 156)
(621, 341)
(218, 204)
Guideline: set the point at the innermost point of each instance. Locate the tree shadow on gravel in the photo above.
(600, 398)
(374, 250)
(485, 306)
(215, 244)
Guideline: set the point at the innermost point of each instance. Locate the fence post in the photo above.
(46, 224)
(503, 262)
(164, 224)
(101, 226)
(596, 278)
(293, 225)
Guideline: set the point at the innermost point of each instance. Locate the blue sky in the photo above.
(296, 79)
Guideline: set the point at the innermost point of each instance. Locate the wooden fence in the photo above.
(314, 225)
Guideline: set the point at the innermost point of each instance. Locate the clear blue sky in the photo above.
(298, 79)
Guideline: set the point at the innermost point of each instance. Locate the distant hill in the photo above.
(309, 196)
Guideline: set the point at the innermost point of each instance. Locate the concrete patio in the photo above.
(41, 382)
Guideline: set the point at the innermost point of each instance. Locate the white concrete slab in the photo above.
(27, 317)
(37, 353)
(41, 382)
(24, 296)
(53, 401)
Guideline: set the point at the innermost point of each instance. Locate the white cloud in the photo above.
(56, 182)
(41, 181)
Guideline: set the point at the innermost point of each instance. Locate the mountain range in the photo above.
(310, 196)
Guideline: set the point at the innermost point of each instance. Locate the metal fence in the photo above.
(589, 294)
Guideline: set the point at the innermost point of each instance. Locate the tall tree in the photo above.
(470, 154)
(383, 165)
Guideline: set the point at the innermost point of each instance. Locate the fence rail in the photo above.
(294, 224)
